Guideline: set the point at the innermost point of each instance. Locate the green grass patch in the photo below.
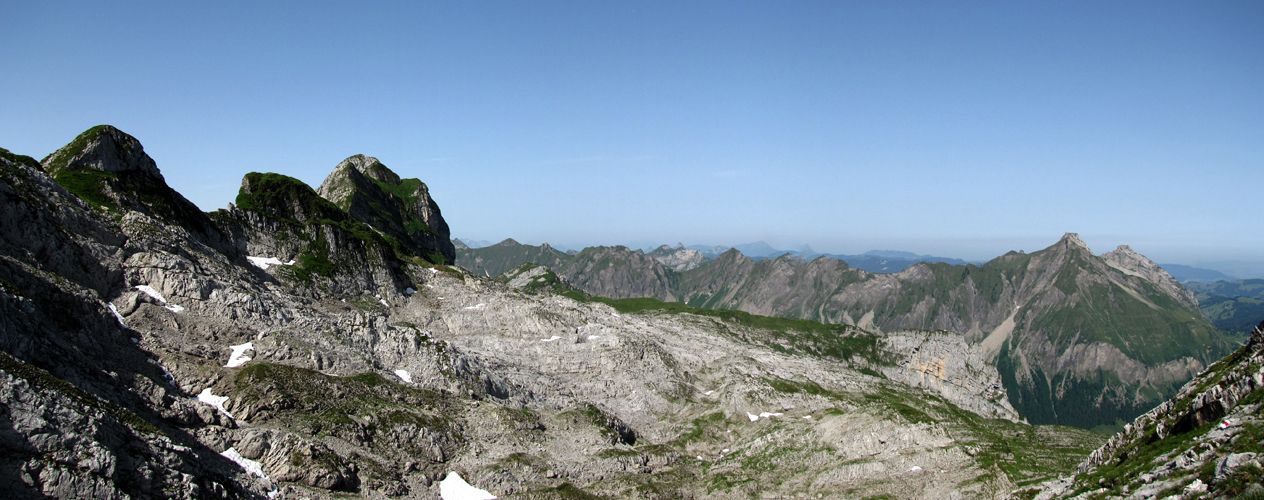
(786, 335)
(89, 185)
(355, 408)
(20, 159)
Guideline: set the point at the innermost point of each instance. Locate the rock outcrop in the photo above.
(947, 364)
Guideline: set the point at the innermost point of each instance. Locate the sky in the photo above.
(961, 129)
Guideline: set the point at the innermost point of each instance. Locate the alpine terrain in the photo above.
(317, 343)
(1079, 339)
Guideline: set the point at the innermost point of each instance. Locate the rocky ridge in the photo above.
(306, 358)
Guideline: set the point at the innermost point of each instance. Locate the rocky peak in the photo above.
(284, 197)
(679, 259)
(458, 244)
(1129, 262)
(401, 208)
(102, 148)
(1072, 241)
(508, 242)
(109, 169)
(370, 167)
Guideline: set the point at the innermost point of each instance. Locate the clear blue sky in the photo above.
(963, 129)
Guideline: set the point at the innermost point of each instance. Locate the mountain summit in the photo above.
(402, 208)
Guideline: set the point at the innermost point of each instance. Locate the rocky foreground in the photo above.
(287, 348)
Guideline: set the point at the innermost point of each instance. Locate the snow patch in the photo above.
(239, 357)
(770, 414)
(455, 488)
(251, 467)
(708, 393)
(158, 296)
(383, 301)
(550, 339)
(409, 291)
(403, 375)
(594, 337)
(807, 417)
(915, 469)
(247, 464)
(615, 314)
(266, 262)
(752, 418)
(217, 401)
(117, 316)
(479, 306)
(436, 271)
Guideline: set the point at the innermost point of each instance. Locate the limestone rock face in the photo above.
(402, 208)
(282, 218)
(948, 364)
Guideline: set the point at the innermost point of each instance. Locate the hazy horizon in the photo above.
(961, 130)
(1238, 269)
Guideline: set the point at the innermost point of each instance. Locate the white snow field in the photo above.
(239, 357)
(217, 401)
(455, 488)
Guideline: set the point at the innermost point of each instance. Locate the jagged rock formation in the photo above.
(1206, 442)
(140, 362)
(280, 217)
(108, 168)
(1079, 339)
(400, 208)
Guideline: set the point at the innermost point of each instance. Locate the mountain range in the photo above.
(318, 343)
(1080, 339)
